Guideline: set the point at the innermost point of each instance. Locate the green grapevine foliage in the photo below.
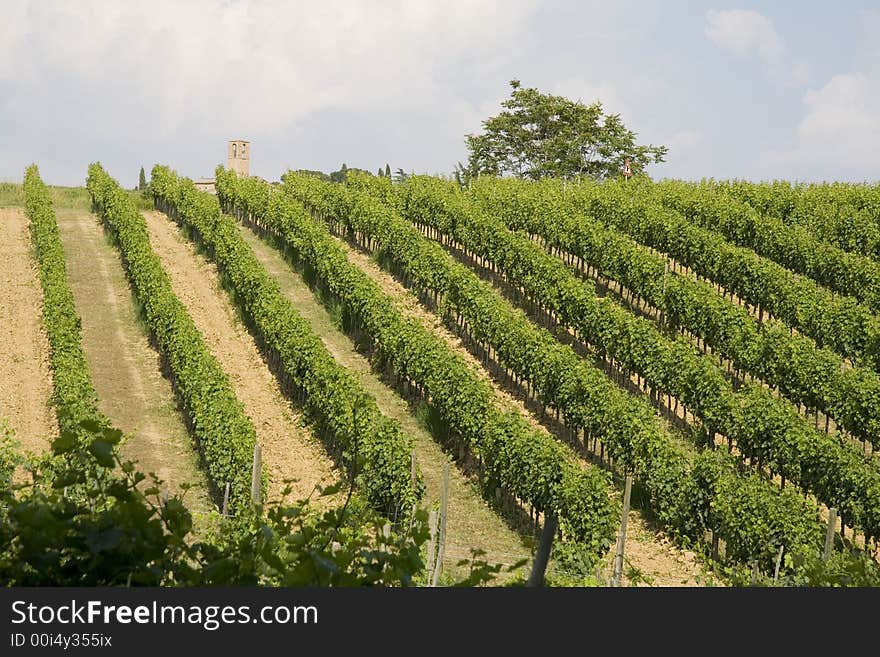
(763, 427)
(580, 393)
(216, 418)
(370, 445)
(525, 462)
(75, 399)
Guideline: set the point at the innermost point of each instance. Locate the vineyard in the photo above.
(669, 382)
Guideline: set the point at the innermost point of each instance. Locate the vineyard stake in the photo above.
(441, 538)
(432, 546)
(255, 474)
(412, 473)
(621, 539)
(829, 534)
(778, 563)
(663, 296)
(226, 501)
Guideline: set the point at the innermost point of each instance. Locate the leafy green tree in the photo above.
(142, 180)
(311, 172)
(339, 176)
(387, 170)
(342, 175)
(540, 135)
(380, 172)
(462, 175)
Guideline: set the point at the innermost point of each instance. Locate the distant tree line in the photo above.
(340, 175)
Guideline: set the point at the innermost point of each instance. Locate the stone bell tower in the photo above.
(238, 157)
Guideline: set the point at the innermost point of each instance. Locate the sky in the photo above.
(755, 90)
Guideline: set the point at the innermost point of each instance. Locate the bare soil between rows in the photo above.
(25, 371)
(290, 451)
(125, 369)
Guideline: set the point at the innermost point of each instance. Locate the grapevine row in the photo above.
(841, 214)
(221, 428)
(790, 246)
(370, 446)
(815, 377)
(74, 396)
(690, 493)
(838, 322)
(762, 426)
(515, 457)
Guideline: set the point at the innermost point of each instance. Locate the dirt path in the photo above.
(471, 522)
(290, 451)
(125, 369)
(648, 552)
(25, 374)
(652, 559)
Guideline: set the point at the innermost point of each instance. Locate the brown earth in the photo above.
(652, 559)
(290, 451)
(125, 369)
(25, 373)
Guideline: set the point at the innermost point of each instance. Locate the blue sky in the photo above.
(756, 90)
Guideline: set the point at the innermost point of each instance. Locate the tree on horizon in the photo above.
(544, 136)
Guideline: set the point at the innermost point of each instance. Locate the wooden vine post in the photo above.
(829, 533)
(621, 538)
(432, 547)
(441, 533)
(256, 471)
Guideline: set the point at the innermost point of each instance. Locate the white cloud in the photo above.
(750, 34)
(166, 70)
(744, 32)
(839, 135)
(843, 115)
(313, 85)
